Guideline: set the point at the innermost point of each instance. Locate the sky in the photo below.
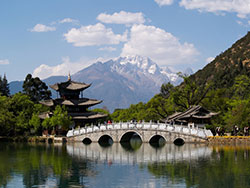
(55, 37)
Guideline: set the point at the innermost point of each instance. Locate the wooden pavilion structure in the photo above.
(194, 116)
(77, 107)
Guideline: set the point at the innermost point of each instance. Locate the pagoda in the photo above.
(77, 107)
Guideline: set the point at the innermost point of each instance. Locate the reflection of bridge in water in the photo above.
(147, 132)
(144, 154)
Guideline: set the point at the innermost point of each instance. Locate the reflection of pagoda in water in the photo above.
(77, 107)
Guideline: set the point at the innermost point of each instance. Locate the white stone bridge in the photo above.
(148, 132)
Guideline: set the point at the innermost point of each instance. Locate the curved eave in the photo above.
(73, 102)
(49, 102)
(78, 86)
(90, 103)
(74, 86)
(91, 117)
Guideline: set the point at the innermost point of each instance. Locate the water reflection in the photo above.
(35, 165)
(131, 164)
(136, 152)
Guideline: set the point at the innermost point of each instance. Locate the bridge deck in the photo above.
(160, 127)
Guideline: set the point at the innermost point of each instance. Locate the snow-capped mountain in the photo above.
(122, 81)
(125, 80)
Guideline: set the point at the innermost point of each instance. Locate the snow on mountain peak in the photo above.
(145, 64)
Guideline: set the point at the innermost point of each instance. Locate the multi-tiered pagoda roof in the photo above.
(77, 107)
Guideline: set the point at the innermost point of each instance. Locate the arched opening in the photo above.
(157, 141)
(131, 141)
(50, 140)
(105, 140)
(179, 141)
(87, 141)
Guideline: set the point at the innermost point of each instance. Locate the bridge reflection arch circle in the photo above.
(157, 139)
(127, 135)
(105, 139)
(87, 140)
(179, 141)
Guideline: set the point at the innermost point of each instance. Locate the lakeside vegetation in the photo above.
(19, 113)
(221, 86)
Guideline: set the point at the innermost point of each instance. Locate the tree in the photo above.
(36, 89)
(189, 93)
(238, 114)
(60, 119)
(166, 90)
(35, 122)
(241, 87)
(6, 116)
(22, 108)
(4, 86)
(159, 107)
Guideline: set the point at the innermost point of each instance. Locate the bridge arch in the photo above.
(157, 140)
(179, 141)
(87, 140)
(126, 136)
(105, 140)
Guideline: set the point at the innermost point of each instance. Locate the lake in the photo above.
(123, 165)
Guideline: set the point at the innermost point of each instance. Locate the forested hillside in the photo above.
(225, 67)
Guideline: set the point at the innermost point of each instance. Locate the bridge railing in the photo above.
(195, 131)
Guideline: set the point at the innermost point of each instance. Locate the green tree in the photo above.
(4, 86)
(60, 119)
(189, 93)
(36, 89)
(6, 116)
(159, 107)
(238, 113)
(241, 87)
(35, 122)
(22, 108)
(166, 90)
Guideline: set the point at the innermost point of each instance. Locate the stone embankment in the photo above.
(229, 139)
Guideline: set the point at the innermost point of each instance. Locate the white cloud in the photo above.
(109, 49)
(159, 45)
(127, 18)
(94, 35)
(241, 7)
(42, 28)
(209, 59)
(68, 20)
(4, 62)
(164, 2)
(45, 71)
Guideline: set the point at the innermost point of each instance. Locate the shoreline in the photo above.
(52, 139)
(36, 139)
(229, 140)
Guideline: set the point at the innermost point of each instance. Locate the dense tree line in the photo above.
(233, 103)
(19, 114)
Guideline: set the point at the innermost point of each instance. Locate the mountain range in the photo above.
(119, 82)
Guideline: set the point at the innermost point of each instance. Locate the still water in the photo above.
(128, 165)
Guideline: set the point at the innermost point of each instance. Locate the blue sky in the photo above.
(53, 37)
